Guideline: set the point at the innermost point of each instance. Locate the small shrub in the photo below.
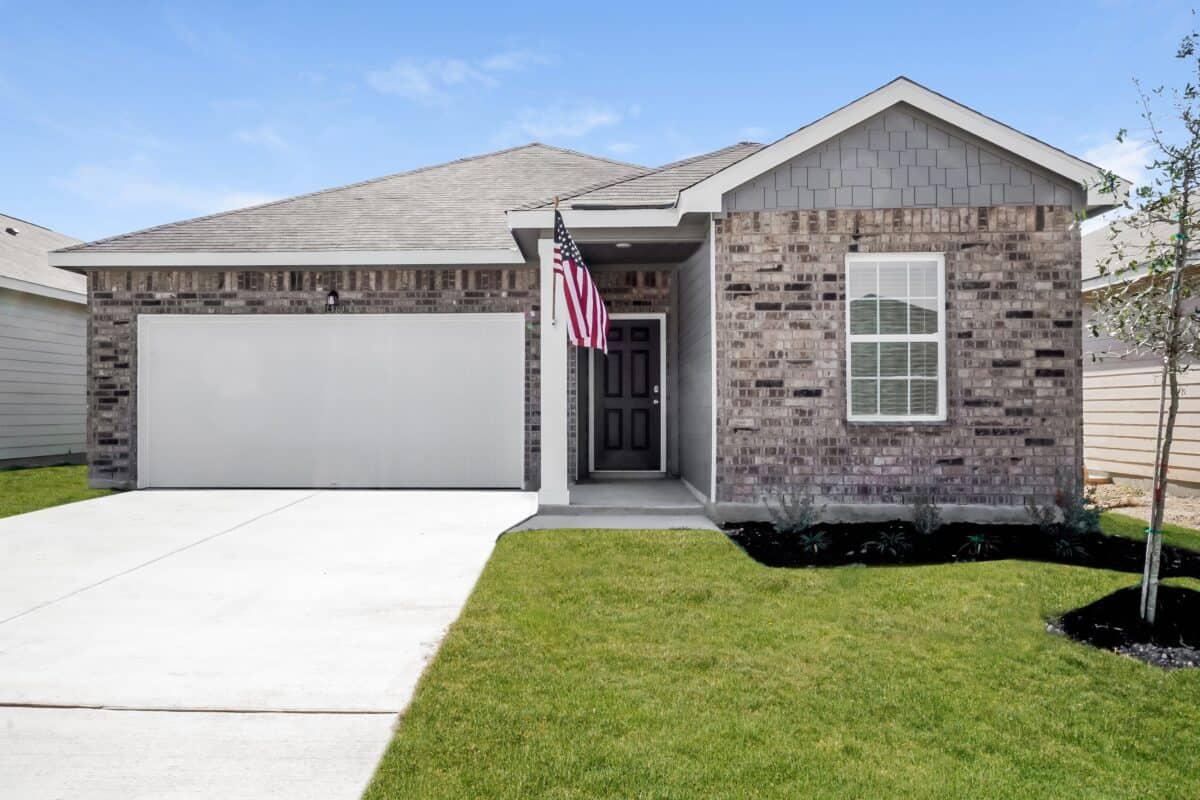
(926, 515)
(815, 542)
(1069, 547)
(1080, 514)
(1045, 517)
(792, 515)
(1073, 513)
(892, 543)
(979, 545)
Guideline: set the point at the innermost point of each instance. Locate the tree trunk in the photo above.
(1170, 379)
(1154, 535)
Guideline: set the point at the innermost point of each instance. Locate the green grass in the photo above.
(23, 490)
(1131, 528)
(641, 664)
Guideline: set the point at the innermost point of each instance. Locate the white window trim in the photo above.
(940, 416)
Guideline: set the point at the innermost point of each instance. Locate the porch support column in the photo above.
(553, 359)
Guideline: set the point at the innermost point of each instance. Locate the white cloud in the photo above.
(753, 133)
(1128, 159)
(622, 148)
(553, 122)
(429, 81)
(135, 184)
(263, 135)
(513, 60)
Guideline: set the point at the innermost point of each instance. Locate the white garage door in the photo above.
(362, 400)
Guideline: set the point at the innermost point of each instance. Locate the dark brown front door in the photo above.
(628, 397)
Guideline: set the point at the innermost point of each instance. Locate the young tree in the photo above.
(1145, 304)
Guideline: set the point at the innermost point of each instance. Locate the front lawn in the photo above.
(1132, 528)
(649, 664)
(23, 490)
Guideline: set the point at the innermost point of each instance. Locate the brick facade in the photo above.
(1013, 316)
(117, 297)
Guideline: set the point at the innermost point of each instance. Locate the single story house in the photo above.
(43, 338)
(1121, 387)
(884, 303)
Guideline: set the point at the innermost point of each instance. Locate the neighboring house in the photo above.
(43, 335)
(1121, 388)
(882, 304)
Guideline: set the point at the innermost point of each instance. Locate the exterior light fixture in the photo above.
(623, 245)
(331, 300)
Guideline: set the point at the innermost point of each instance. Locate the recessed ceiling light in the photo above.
(623, 245)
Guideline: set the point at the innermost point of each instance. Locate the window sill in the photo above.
(898, 421)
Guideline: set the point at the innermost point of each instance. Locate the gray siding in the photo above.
(42, 390)
(898, 159)
(695, 370)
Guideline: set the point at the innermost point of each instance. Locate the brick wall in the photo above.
(1012, 351)
(119, 296)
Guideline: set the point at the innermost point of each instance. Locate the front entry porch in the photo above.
(631, 432)
(655, 502)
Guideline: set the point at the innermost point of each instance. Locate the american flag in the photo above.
(587, 318)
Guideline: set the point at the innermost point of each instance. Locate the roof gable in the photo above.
(901, 158)
(706, 195)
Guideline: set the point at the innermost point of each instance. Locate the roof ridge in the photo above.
(586, 155)
(654, 171)
(693, 159)
(306, 195)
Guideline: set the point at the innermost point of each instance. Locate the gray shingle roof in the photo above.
(23, 257)
(657, 188)
(459, 205)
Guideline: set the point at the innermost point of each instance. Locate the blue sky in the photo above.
(117, 116)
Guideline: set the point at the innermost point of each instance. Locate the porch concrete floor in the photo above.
(625, 503)
(635, 493)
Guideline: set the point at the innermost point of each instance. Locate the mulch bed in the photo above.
(1110, 623)
(899, 543)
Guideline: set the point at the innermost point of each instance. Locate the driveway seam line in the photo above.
(155, 560)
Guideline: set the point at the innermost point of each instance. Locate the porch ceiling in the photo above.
(608, 253)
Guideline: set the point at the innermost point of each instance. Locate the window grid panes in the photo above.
(894, 338)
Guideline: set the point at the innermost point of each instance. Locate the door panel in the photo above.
(628, 398)
(345, 400)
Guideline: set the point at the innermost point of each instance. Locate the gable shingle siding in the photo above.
(898, 159)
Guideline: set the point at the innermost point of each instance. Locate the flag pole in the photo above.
(554, 285)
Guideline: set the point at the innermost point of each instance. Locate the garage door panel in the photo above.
(420, 400)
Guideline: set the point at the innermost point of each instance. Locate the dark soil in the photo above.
(1112, 623)
(827, 545)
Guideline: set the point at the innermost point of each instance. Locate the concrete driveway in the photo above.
(230, 644)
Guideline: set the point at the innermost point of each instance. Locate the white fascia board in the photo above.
(543, 218)
(43, 291)
(705, 196)
(83, 259)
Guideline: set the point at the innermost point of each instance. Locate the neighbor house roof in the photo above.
(1134, 245)
(656, 188)
(24, 265)
(444, 213)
